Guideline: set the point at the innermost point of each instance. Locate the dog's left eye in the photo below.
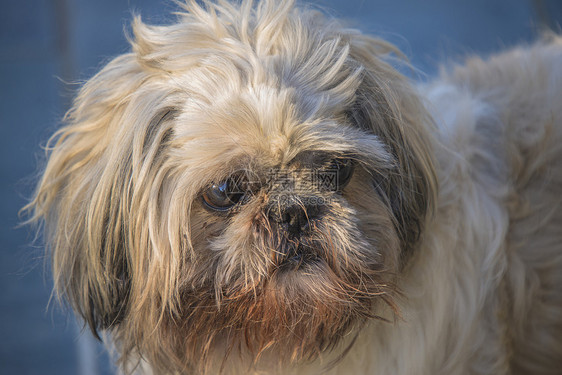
(222, 196)
(344, 169)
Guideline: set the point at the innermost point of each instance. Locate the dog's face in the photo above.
(246, 179)
(290, 240)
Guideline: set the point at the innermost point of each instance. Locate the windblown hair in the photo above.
(231, 87)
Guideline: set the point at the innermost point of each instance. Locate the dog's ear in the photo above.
(89, 196)
(388, 106)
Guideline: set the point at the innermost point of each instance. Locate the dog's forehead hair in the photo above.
(261, 128)
(262, 122)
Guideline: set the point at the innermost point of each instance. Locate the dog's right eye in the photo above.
(222, 196)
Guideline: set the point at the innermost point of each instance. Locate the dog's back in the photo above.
(514, 151)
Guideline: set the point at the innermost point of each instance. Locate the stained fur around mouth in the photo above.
(297, 315)
(296, 309)
(296, 257)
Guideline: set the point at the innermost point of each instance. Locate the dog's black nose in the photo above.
(297, 218)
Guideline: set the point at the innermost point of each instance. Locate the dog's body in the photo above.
(437, 251)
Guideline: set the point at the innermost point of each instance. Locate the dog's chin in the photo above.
(305, 305)
(268, 289)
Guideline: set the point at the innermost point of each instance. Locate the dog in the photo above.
(256, 189)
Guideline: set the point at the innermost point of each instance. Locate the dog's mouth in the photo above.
(299, 257)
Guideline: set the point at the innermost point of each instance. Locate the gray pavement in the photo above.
(45, 43)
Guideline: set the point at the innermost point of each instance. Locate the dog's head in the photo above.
(249, 178)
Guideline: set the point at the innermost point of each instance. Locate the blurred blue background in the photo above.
(47, 43)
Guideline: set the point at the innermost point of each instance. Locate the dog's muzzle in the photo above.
(293, 219)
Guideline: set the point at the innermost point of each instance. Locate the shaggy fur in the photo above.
(441, 254)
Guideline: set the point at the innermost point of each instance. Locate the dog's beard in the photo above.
(254, 287)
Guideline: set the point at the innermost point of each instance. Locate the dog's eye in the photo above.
(223, 196)
(344, 170)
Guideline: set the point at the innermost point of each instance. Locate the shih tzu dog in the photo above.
(256, 189)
